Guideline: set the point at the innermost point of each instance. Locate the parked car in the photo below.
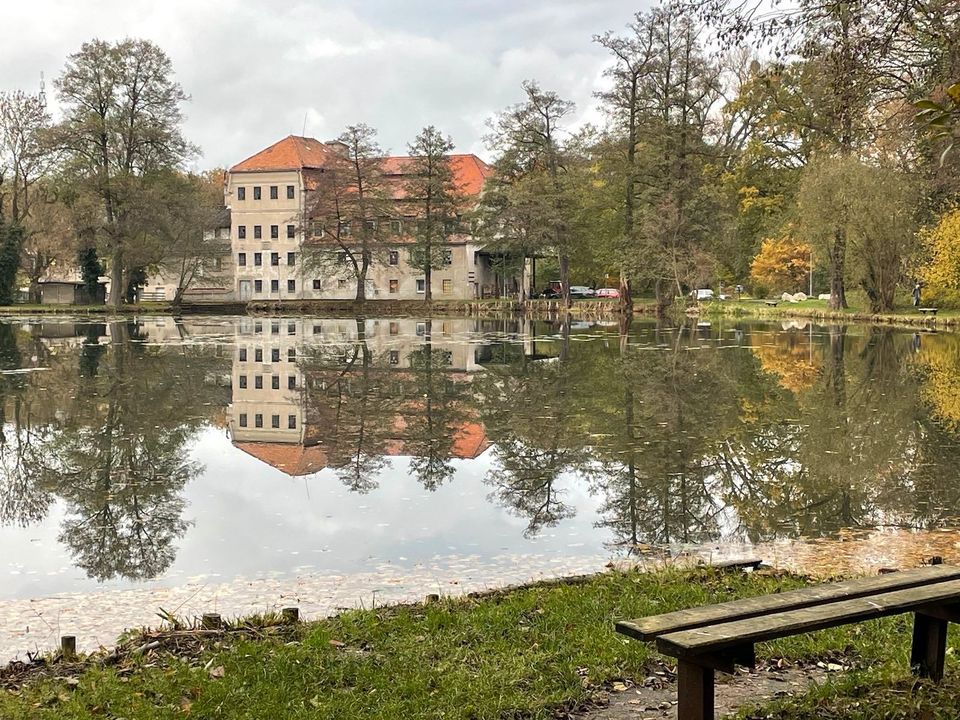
(607, 293)
(580, 291)
(550, 293)
(702, 294)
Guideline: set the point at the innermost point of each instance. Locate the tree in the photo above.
(633, 61)
(189, 207)
(121, 126)
(432, 194)
(348, 204)
(871, 207)
(50, 238)
(11, 243)
(532, 166)
(940, 245)
(24, 152)
(782, 264)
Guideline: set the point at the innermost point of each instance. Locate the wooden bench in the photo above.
(771, 303)
(928, 310)
(717, 637)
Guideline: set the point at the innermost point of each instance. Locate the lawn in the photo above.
(526, 653)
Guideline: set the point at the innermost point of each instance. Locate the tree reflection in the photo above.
(112, 445)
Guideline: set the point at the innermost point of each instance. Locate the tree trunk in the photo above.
(427, 277)
(626, 294)
(564, 262)
(838, 254)
(117, 288)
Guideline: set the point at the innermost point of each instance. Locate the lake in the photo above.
(241, 464)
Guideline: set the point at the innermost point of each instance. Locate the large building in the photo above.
(270, 195)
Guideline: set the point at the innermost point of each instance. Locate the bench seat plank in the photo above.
(649, 628)
(689, 643)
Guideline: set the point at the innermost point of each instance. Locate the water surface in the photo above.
(231, 454)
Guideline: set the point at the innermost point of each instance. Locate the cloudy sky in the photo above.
(258, 70)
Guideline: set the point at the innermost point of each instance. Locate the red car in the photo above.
(607, 293)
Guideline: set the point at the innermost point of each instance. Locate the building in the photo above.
(269, 195)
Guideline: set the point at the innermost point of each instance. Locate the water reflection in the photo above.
(679, 435)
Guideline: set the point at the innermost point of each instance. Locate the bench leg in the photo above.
(929, 646)
(694, 691)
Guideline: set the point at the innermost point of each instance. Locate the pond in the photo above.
(240, 464)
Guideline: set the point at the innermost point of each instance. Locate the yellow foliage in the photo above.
(941, 379)
(941, 244)
(790, 361)
(782, 263)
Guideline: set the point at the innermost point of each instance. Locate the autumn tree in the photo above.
(346, 209)
(872, 208)
(432, 195)
(782, 264)
(939, 268)
(532, 142)
(121, 126)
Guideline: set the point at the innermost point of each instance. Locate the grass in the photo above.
(533, 652)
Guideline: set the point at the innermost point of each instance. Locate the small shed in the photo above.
(65, 292)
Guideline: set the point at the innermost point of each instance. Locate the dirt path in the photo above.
(656, 699)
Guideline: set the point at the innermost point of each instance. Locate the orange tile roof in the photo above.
(469, 171)
(292, 459)
(470, 440)
(291, 153)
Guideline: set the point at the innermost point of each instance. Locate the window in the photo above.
(394, 286)
(291, 231)
(274, 232)
(317, 285)
(291, 286)
(447, 257)
(275, 421)
(290, 192)
(291, 382)
(275, 326)
(257, 232)
(275, 355)
(243, 419)
(241, 193)
(274, 259)
(243, 354)
(258, 420)
(258, 326)
(394, 257)
(242, 259)
(316, 229)
(256, 192)
(217, 264)
(421, 329)
(341, 283)
(291, 328)
(291, 422)
(341, 258)
(258, 355)
(345, 229)
(317, 329)
(274, 194)
(275, 382)
(258, 259)
(242, 382)
(394, 328)
(291, 355)
(421, 285)
(274, 286)
(258, 287)
(291, 259)
(242, 232)
(394, 357)
(371, 225)
(447, 287)
(258, 382)
(396, 227)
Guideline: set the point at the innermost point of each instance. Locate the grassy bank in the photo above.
(533, 652)
(904, 315)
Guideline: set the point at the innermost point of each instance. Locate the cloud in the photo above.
(258, 71)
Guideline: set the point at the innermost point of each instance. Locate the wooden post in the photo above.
(290, 614)
(211, 621)
(68, 647)
(929, 646)
(694, 691)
